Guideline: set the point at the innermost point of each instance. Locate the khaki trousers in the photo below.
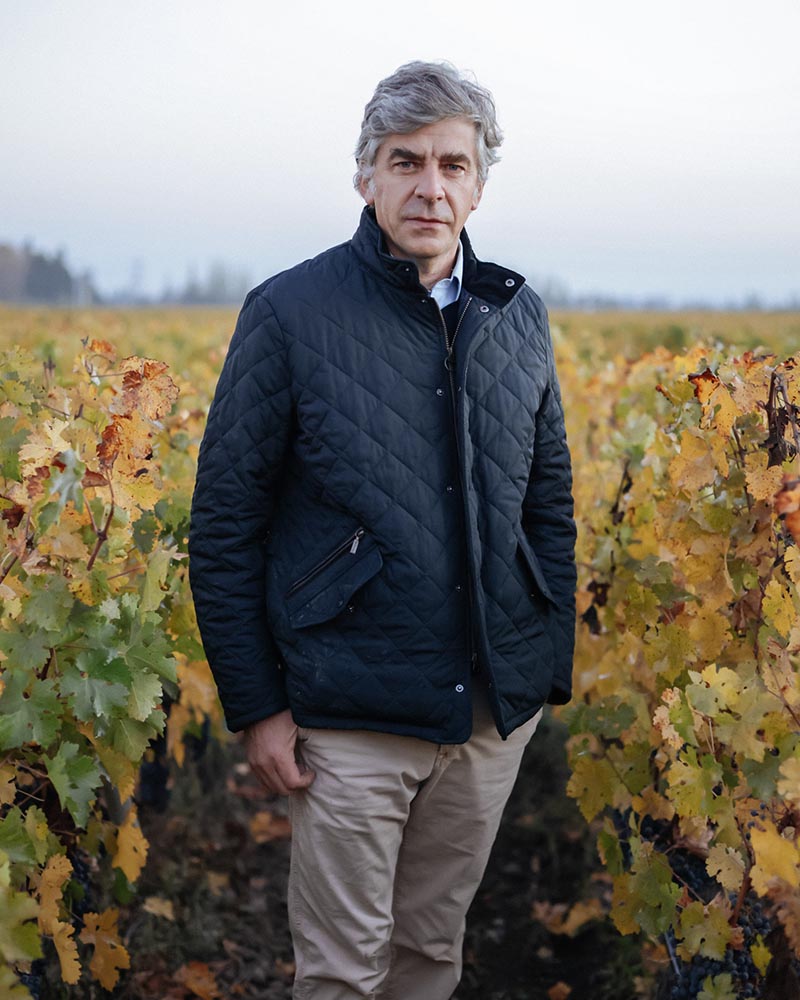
(389, 845)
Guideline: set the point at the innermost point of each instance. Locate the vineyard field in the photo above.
(661, 843)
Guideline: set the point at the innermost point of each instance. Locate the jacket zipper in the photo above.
(448, 363)
(350, 545)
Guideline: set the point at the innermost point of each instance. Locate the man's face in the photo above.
(424, 186)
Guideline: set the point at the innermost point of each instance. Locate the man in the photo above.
(382, 549)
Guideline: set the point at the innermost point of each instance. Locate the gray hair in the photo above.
(421, 93)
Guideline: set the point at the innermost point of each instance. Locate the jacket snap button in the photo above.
(484, 309)
(459, 688)
(351, 608)
(449, 488)
(459, 588)
(440, 392)
(510, 282)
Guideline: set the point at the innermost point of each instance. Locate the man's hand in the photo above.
(270, 746)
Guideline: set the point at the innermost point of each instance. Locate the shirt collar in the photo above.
(447, 290)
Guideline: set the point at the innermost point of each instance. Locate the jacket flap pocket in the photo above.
(324, 596)
(533, 565)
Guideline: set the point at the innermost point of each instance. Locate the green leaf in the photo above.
(96, 685)
(718, 988)
(49, 604)
(10, 986)
(75, 776)
(15, 840)
(19, 934)
(653, 889)
(131, 737)
(146, 693)
(28, 651)
(153, 587)
(28, 718)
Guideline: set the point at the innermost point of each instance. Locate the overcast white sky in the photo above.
(650, 148)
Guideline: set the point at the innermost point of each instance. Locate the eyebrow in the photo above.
(399, 153)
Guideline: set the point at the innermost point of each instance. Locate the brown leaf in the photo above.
(198, 978)
(559, 991)
(110, 956)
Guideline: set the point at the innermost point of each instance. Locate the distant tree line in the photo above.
(29, 276)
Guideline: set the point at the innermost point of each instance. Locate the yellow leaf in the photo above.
(109, 954)
(693, 467)
(51, 886)
(762, 482)
(159, 907)
(131, 852)
(651, 803)
(8, 784)
(777, 857)
(761, 955)
(623, 905)
(592, 783)
(789, 782)
(67, 951)
(778, 607)
(709, 630)
(791, 560)
(726, 865)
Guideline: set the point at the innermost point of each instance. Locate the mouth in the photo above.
(423, 221)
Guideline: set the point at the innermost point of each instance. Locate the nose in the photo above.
(429, 185)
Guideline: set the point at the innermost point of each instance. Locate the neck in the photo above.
(432, 271)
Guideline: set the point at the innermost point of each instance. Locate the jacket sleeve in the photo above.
(239, 471)
(548, 521)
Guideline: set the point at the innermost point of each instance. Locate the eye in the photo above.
(455, 168)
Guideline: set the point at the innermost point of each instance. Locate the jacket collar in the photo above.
(488, 281)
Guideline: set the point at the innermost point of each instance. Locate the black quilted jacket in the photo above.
(383, 510)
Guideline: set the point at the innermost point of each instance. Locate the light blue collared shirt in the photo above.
(447, 290)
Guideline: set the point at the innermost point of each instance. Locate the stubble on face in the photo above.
(423, 188)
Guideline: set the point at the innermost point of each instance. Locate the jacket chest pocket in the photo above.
(325, 588)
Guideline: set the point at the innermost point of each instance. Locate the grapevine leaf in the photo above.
(718, 988)
(145, 694)
(15, 839)
(51, 886)
(19, 935)
(789, 782)
(75, 777)
(153, 587)
(593, 783)
(49, 604)
(100, 929)
(96, 684)
(10, 986)
(778, 608)
(27, 651)
(761, 955)
(67, 951)
(776, 857)
(726, 865)
(28, 718)
(131, 852)
(763, 481)
(67, 482)
(131, 737)
(704, 931)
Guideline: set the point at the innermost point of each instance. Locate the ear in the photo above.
(365, 187)
(476, 198)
